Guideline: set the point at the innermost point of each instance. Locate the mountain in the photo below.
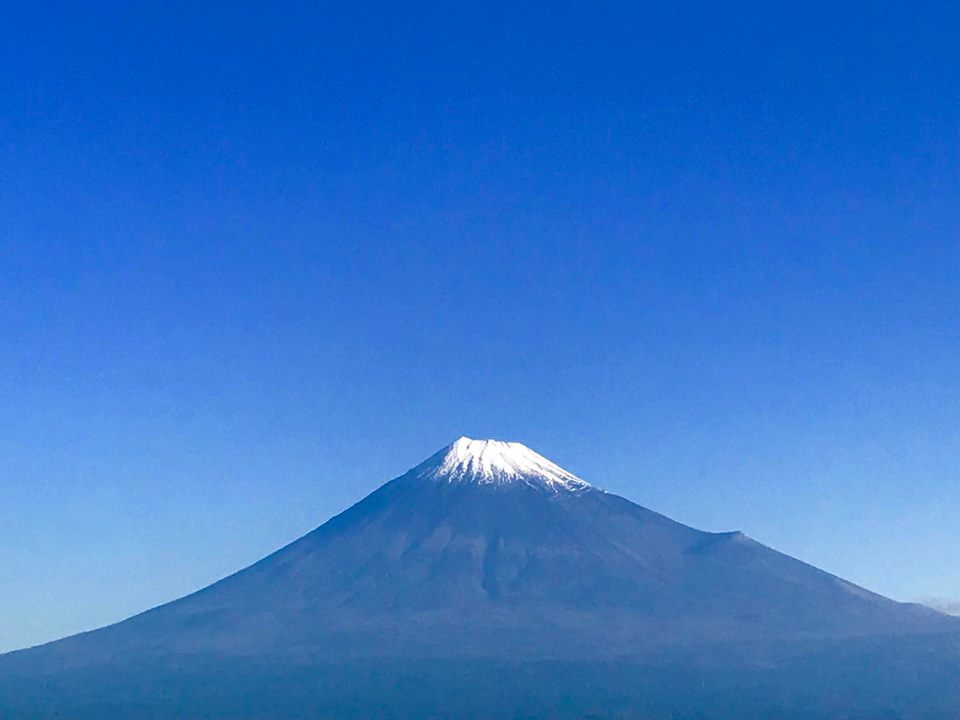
(486, 582)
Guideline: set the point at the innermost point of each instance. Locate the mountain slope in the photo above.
(488, 552)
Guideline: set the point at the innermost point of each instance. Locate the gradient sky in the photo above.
(255, 262)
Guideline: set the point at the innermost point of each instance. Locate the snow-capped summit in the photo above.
(497, 462)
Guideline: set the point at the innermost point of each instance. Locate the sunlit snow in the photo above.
(494, 461)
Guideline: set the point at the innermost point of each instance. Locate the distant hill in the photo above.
(948, 607)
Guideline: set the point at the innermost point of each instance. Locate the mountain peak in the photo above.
(497, 462)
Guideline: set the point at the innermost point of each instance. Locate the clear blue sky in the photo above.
(254, 262)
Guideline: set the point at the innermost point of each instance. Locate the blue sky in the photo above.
(256, 261)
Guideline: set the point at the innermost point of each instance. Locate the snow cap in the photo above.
(495, 462)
